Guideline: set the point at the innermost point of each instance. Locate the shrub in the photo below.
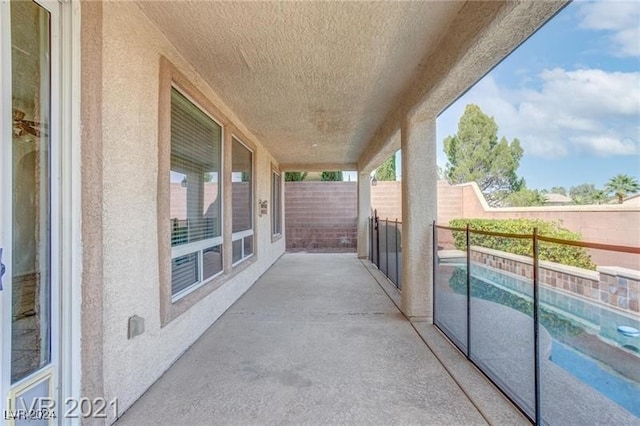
(559, 253)
(331, 176)
(294, 176)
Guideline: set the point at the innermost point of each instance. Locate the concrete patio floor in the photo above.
(317, 341)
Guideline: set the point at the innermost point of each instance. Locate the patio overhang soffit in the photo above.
(327, 85)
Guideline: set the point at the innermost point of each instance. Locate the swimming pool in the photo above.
(623, 391)
(586, 343)
(593, 317)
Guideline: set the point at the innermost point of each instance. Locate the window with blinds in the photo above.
(276, 210)
(242, 196)
(195, 198)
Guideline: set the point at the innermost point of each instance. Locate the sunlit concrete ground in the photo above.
(317, 341)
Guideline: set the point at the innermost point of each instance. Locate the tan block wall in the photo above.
(386, 198)
(606, 224)
(321, 216)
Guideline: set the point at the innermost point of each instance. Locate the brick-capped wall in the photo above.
(321, 216)
(612, 286)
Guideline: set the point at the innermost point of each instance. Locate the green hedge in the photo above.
(566, 255)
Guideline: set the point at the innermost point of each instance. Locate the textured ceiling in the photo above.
(312, 80)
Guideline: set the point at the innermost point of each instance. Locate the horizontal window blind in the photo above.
(242, 161)
(184, 272)
(196, 147)
(276, 221)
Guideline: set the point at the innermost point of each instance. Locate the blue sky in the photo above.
(570, 94)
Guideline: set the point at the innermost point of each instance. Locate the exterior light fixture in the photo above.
(184, 182)
(374, 181)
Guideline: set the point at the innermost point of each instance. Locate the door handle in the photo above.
(3, 269)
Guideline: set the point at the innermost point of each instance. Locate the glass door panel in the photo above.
(30, 281)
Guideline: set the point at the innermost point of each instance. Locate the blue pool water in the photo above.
(620, 390)
(589, 317)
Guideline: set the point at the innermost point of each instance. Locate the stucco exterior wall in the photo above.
(132, 48)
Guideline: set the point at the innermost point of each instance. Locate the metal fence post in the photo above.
(386, 246)
(536, 325)
(434, 265)
(370, 239)
(377, 241)
(396, 238)
(468, 293)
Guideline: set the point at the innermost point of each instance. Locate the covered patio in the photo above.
(152, 141)
(319, 340)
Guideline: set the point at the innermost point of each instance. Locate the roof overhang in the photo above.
(327, 85)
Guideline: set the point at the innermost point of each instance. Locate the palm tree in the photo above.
(599, 196)
(621, 185)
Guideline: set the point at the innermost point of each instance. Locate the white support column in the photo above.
(364, 211)
(419, 209)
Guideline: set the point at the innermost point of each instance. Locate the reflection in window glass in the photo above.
(242, 160)
(195, 196)
(241, 189)
(248, 245)
(184, 272)
(276, 217)
(211, 261)
(30, 279)
(196, 142)
(237, 250)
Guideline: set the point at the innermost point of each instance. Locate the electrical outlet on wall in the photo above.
(136, 326)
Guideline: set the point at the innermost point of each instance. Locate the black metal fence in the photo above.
(560, 357)
(385, 250)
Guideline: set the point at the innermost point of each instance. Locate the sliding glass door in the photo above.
(28, 211)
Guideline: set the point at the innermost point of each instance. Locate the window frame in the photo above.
(241, 235)
(275, 236)
(172, 307)
(198, 247)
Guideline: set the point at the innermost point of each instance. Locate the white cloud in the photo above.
(591, 92)
(607, 145)
(588, 111)
(621, 18)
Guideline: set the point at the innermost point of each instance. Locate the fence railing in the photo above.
(385, 249)
(563, 343)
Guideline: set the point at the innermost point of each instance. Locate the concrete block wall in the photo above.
(386, 198)
(321, 216)
(606, 224)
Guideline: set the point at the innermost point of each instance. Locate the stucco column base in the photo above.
(364, 211)
(419, 193)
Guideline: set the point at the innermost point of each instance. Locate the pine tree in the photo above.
(475, 154)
